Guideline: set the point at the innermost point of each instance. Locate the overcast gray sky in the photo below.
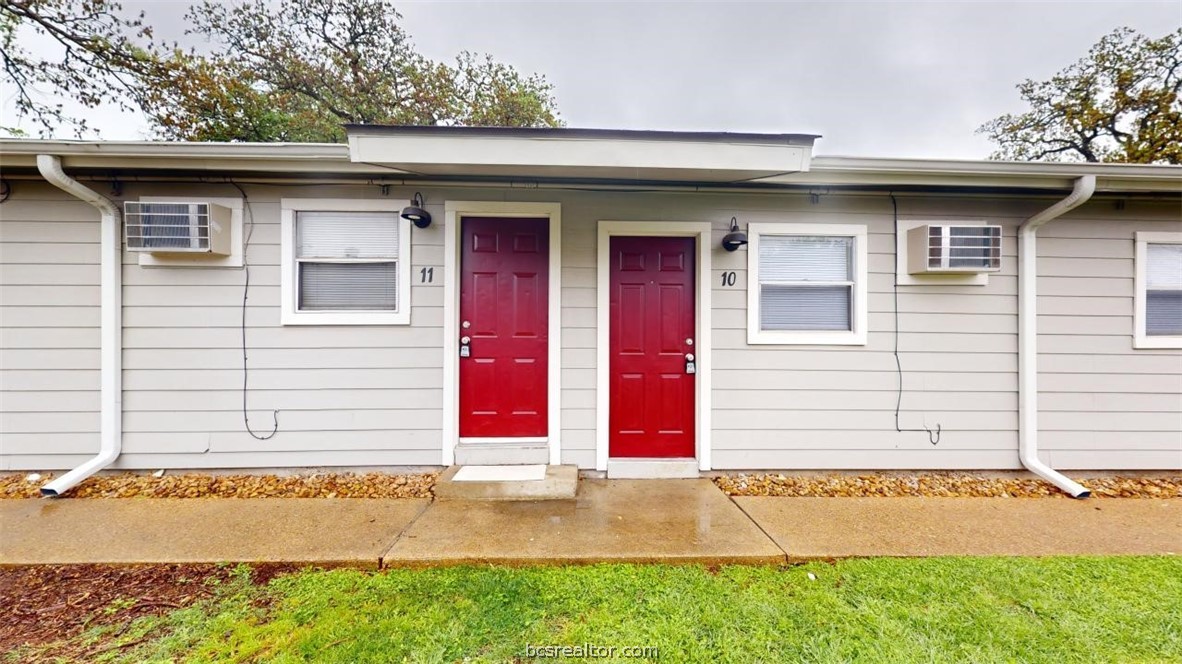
(874, 78)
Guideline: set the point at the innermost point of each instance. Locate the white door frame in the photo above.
(453, 212)
(700, 231)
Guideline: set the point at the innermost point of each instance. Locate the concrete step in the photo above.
(555, 483)
(502, 454)
(650, 469)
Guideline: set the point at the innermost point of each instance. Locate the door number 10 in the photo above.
(728, 278)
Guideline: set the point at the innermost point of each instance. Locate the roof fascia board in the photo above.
(422, 152)
(849, 172)
(855, 171)
(175, 149)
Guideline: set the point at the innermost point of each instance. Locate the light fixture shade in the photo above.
(734, 239)
(415, 212)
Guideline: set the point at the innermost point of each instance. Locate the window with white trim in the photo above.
(345, 262)
(806, 284)
(1157, 320)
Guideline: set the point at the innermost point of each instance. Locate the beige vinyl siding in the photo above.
(372, 395)
(805, 407)
(1103, 403)
(346, 395)
(49, 326)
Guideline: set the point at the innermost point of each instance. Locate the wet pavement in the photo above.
(809, 528)
(685, 521)
(326, 531)
(672, 521)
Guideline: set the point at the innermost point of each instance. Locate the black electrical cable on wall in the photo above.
(249, 213)
(933, 437)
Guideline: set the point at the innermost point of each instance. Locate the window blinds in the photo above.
(805, 282)
(805, 258)
(349, 286)
(347, 261)
(1163, 297)
(348, 235)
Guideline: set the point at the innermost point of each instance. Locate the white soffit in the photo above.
(552, 154)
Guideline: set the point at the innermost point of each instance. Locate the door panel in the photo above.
(652, 398)
(504, 298)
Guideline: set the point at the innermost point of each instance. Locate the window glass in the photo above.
(805, 258)
(1163, 296)
(805, 282)
(347, 235)
(347, 261)
(348, 286)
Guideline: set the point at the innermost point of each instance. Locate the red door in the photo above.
(504, 296)
(652, 328)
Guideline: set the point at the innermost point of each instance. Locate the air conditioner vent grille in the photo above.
(176, 227)
(954, 249)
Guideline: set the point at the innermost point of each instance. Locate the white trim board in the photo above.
(453, 212)
(700, 231)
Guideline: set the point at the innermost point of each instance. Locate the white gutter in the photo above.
(1085, 186)
(111, 327)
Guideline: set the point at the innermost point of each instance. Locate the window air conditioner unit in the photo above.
(953, 249)
(177, 228)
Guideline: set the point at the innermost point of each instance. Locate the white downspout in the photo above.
(111, 327)
(1085, 186)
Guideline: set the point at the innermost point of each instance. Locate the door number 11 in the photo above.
(426, 275)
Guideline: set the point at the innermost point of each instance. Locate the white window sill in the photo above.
(345, 318)
(806, 338)
(1146, 341)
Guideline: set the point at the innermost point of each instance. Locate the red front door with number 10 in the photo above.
(504, 296)
(652, 404)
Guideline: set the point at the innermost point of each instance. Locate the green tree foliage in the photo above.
(292, 70)
(1120, 103)
(298, 70)
(97, 55)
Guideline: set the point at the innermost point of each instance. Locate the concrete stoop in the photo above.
(558, 483)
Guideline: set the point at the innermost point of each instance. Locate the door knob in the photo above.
(689, 357)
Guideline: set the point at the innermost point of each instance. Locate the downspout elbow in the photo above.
(1084, 187)
(111, 327)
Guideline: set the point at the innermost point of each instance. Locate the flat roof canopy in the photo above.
(581, 153)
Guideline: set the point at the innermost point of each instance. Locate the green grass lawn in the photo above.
(1089, 610)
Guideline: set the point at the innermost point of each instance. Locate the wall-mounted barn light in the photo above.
(734, 239)
(415, 212)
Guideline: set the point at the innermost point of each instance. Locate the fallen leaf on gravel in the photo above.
(195, 485)
(950, 484)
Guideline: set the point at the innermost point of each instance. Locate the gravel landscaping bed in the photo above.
(957, 485)
(320, 485)
(382, 485)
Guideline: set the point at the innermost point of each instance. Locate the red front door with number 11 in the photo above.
(504, 311)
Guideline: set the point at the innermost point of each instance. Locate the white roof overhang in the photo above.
(657, 161)
(581, 153)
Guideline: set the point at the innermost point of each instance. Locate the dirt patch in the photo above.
(954, 485)
(44, 605)
(194, 485)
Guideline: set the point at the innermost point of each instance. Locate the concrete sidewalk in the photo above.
(675, 521)
(324, 531)
(812, 528)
